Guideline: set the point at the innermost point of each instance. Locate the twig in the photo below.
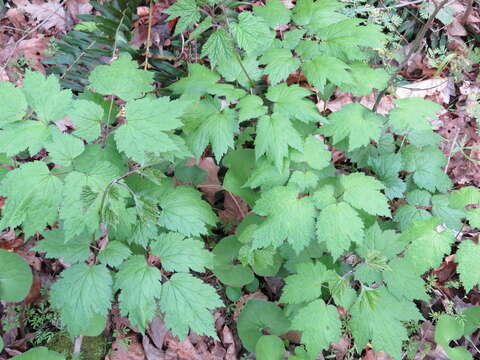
(40, 24)
(450, 153)
(413, 49)
(149, 36)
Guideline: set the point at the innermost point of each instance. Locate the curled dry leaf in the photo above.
(235, 209)
(46, 14)
(431, 87)
(212, 184)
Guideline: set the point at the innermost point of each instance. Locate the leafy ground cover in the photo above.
(224, 180)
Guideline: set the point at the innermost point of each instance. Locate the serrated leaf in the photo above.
(181, 254)
(186, 302)
(468, 267)
(269, 347)
(184, 211)
(403, 281)
(15, 108)
(275, 135)
(15, 277)
(320, 325)
(411, 114)
(464, 196)
(382, 324)
(338, 225)
(317, 14)
(406, 215)
(218, 47)
(288, 218)
(196, 84)
(305, 285)
(55, 246)
(251, 106)
(39, 353)
(290, 100)
(140, 287)
(87, 118)
(451, 217)
(303, 180)
(251, 32)
(64, 148)
(322, 68)
(387, 167)
(256, 316)
(82, 292)
(365, 79)
(280, 64)
(231, 70)
(363, 192)
(44, 96)
(122, 78)
(218, 129)
(33, 197)
(146, 129)
(22, 135)
(426, 164)
(188, 13)
(274, 13)
(114, 254)
(353, 122)
(314, 154)
(428, 246)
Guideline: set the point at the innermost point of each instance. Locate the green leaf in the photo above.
(44, 96)
(15, 108)
(464, 196)
(87, 118)
(428, 246)
(218, 47)
(382, 324)
(186, 302)
(288, 218)
(122, 78)
(250, 107)
(55, 246)
(473, 217)
(63, 148)
(82, 198)
(82, 292)
(256, 316)
(146, 129)
(269, 347)
(320, 325)
(280, 64)
(33, 197)
(387, 167)
(188, 13)
(22, 135)
(411, 114)
(225, 255)
(317, 14)
(365, 79)
(406, 215)
(140, 287)
(196, 84)
(323, 68)
(451, 217)
(218, 129)
(274, 13)
(315, 154)
(448, 329)
(468, 267)
(426, 165)
(363, 192)
(338, 225)
(39, 353)
(114, 254)
(306, 284)
(353, 122)
(15, 277)
(275, 135)
(184, 211)
(403, 281)
(181, 254)
(251, 33)
(290, 100)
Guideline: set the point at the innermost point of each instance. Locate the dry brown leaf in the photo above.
(49, 14)
(183, 349)
(126, 348)
(17, 17)
(77, 7)
(151, 352)
(430, 87)
(212, 184)
(157, 332)
(235, 208)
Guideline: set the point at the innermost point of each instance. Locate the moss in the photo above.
(93, 348)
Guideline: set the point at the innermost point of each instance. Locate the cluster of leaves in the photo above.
(333, 234)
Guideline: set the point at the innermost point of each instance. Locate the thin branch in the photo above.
(413, 49)
(450, 153)
(149, 36)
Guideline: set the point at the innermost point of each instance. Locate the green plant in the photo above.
(333, 231)
(43, 321)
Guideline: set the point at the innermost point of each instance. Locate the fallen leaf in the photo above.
(157, 332)
(235, 209)
(212, 184)
(126, 348)
(46, 14)
(426, 88)
(151, 352)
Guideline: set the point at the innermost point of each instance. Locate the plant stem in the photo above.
(413, 49)
(149, 36)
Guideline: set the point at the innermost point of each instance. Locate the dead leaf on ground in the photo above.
(126, 348)
(151, 352)
(77, 7)
(235, 208)
(212, 184)
(157, 332)
(436, 88)
(46, 14)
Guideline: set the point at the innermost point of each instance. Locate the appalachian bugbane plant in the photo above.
(332, 233)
